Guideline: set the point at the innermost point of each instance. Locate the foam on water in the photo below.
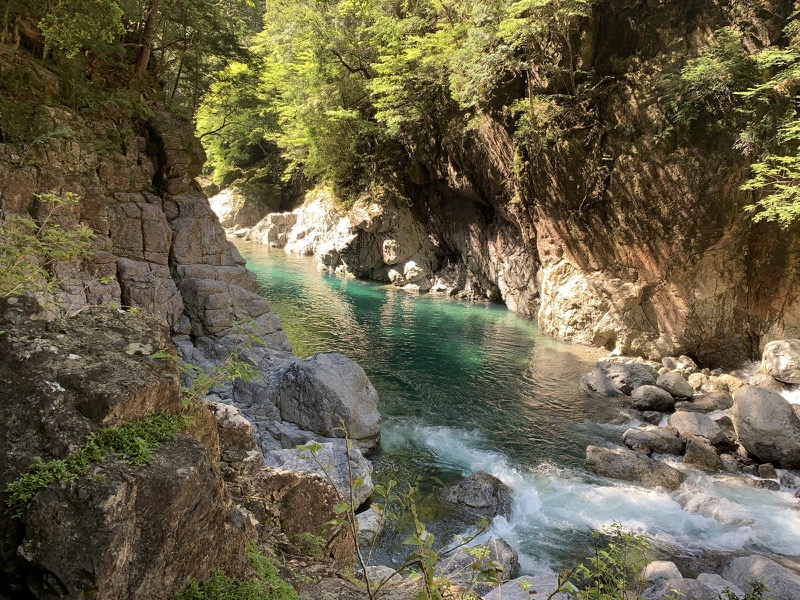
(551, 503)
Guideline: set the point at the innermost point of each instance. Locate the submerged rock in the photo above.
(632, 466)
(767, 426)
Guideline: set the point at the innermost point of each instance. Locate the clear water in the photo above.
(467, 388)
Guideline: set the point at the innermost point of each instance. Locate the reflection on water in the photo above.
(474, 387)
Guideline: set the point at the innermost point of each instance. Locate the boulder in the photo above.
(481, 494)
(538, 587)
(697, 381)
(767, 426)
(651, 397)
(781, 359)
(701, 454)
(690, 424)
(613, 379)
(331, 395)
(706, 403)
(675, 385)
(660, 570)
(685, 589)
(382, 576)
(331, 463)
(649, 439)
(719, 585)
(370, 526)
(462, 567)
(632, 466)
(782, 583)
(767, 381)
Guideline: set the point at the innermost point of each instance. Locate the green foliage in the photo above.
(132, 442)
(706, 87)
(30, 248)
(757, 590)
(72, 25)
(777, 174)
(611, 572)
(265, 585)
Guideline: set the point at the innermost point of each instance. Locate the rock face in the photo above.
(632, 466)
(767, 426)
(462, 567)
(235, 210)
(481, 494)
(781, 359)
(273, 229)
(138, 531)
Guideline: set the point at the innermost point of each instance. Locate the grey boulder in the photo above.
(689, 424)
(675, 384)
(481, 494)
(650, 439)
(783, 584)
(781, 359)
(331, 462)
(330, 394)
(767, 426)
(632, 466)
(652, 397)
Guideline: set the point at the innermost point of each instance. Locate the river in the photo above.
(473, 387)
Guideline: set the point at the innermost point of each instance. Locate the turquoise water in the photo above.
(469, 387)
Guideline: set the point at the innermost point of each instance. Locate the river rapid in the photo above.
(473, 387)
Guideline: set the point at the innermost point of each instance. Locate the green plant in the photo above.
(133, 442)
(29, 249)
(265, 585)
(757, 590)
(611, 572)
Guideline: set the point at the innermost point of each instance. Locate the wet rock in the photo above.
(651, 397)
(649, 439)
(696, 424)
(782, 583)
(632, 466)
(764, 484)
(675, 385)
(330, 395)
(613, 379)
(331, 461)
(767, 471)
(781, 359)
(767, 426)
(701, 454)
(706, 403)
(481, 494)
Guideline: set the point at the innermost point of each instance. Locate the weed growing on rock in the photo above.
(133, 442)
(266, 585)
(29, 249)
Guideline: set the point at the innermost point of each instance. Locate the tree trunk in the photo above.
(147, 39)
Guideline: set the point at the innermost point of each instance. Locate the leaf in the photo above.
(341, 508)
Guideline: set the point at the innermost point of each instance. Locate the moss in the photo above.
(133, 442)
(265, 585)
